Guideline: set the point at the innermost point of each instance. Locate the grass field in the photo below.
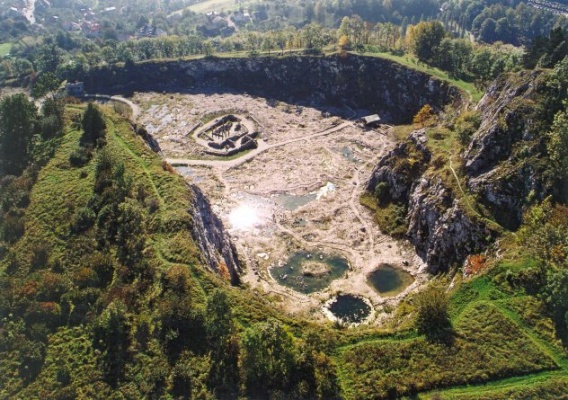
(412, 62)
(5, 49)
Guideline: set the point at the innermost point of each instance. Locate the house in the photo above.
(75, 89)
(371, 121)
(150, 31)
(216, 25)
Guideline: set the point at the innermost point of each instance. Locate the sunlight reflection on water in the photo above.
(244, 217)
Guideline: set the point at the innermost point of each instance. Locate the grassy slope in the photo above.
(59, 191)
(5, 49)
(503, 343)
(408, 60)
(504, 346)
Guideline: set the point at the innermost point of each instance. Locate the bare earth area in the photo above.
(297, 191)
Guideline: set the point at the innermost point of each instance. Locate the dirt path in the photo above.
(262, 146)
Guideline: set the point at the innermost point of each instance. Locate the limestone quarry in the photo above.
(296, 191)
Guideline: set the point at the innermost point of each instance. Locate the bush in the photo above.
(83, 220)
(79, 157)
(432, 317)
(93, 125)
(382, 192)
(13, 228)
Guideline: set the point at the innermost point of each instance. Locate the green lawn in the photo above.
(217, 5)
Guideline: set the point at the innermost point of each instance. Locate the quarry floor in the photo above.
(301, 153)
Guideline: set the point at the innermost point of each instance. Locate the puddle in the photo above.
(292, 202)
(310, 272)
(188, 172)
(348, 154)
(349, 308)
(389, 280)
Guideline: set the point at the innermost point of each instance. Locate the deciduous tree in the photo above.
(18, 124)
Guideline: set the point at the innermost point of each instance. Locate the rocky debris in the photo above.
(210, 236)
(394, 91)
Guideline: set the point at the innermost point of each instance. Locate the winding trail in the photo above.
(353, 205)
(133, 107)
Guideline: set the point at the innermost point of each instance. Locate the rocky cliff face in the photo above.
(397, 172)
(505, 165)
(210, 236)
(378, 85)
(441, 232)
(506, 161)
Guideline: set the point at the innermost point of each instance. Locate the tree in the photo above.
(312, 35)
(558, 151)
(18, 125)
(52, 117)
(93, 125)
(268, 358)
(45, 83)
(224, 374)
(343, 43)
(130, 234)
(112, 335)
(425, 38)
(432, 318)
(557, 298)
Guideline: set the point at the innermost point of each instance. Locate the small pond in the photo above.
(291, 202)
(349, 308)
(389, 280)
(310, 272)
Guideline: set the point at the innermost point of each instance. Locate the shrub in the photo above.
(80, 156)
(12, 228)
(381, 192)
(84, 218)
(432, 317)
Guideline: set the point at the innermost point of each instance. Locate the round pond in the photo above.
(310, 272)
(349, 308)
(389, 280)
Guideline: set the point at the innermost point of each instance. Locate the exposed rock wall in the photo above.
(378, 85)
(397, 172)
(441, 232)
(506, 161)
(211, 238)
(506, 167)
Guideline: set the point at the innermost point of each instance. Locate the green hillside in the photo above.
(104, 295)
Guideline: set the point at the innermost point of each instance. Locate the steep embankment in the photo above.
(437, 224)
(379, 85)
(504, 168)
(506, 162)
